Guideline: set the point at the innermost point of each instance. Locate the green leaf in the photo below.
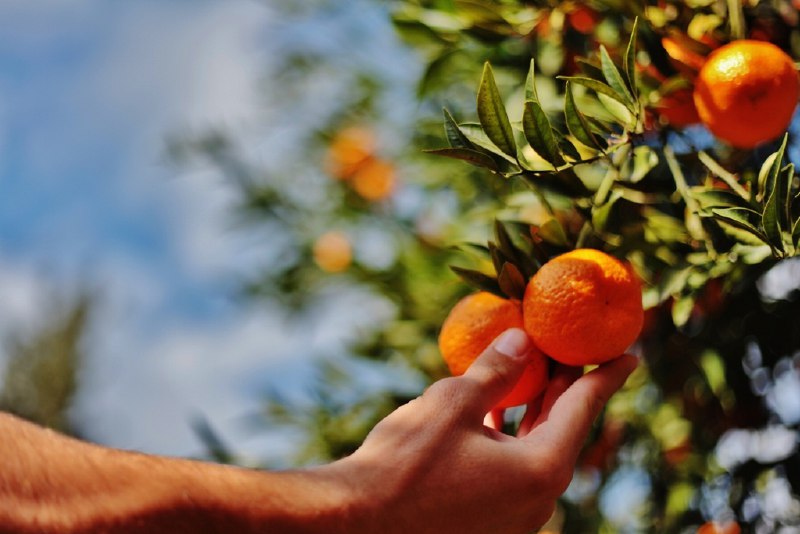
(455, 136)
(477, 279)
(718, 198)
(741, 218)
(598, 87)
(476, 135)
(492, 114)
(682, 310)
(644, 160)
(773, 217)
(552, 232)
(530, 85)
(479, 159)
(576, 122)
(539, 133)
(796, 233)
(613, 76)
(629, 63)
(600, 214)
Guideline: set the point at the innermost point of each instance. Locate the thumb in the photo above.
(496, 371)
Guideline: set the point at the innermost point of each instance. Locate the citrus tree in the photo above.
(659, 133)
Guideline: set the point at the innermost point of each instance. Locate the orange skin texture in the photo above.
(471, 326)
(747, 92)
(583, 307)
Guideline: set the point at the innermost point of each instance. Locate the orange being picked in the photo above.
(746, 92)
(715, 527)
(471, 326)
(583, 307)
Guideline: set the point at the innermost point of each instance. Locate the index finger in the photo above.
(573, 413)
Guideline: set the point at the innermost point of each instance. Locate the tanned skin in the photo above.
(432, 466)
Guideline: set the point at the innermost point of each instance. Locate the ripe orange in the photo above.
(348, 150)
(374, 180)
(332, 251)
(746, 92)
(714, 527)
(583, 307)
(471, 326)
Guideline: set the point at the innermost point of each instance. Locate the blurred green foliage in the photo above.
(41, 375)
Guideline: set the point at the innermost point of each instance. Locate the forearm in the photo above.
(49, 483)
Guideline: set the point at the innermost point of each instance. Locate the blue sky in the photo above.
(89, 89)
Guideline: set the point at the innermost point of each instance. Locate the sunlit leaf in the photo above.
(492, 114)
(772, 219)
(576, 122)
(613, 76)
(539, 134)
(455, 136)
(629, 62)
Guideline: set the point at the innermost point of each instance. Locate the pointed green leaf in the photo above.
(479, 159)
(796, 233)
(645, 159)
(476, 135)
(477, 279)
(492, 114)
(455, 136)
(539, 133)
(613, 76)
(629, 63)
(576, 122)
(598, 87)
(741, 218)
(772, 219)
(530, 85)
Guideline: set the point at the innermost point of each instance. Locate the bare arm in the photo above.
(431, 466)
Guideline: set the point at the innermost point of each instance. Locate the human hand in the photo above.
(433, 466)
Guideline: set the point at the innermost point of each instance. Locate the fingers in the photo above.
(563, 377)
(570, 417)
(494, 419)
(495, 372)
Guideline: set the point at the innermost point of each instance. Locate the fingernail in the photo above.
(513, 343)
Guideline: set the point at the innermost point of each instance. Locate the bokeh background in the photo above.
(95, 210)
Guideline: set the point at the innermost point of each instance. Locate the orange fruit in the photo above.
(583, 19)
(746, 92)
(715, 527)
(471, 326)
(677, 108)
(374, 180)
(583, 307)
(348, 150)
(332, 251)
